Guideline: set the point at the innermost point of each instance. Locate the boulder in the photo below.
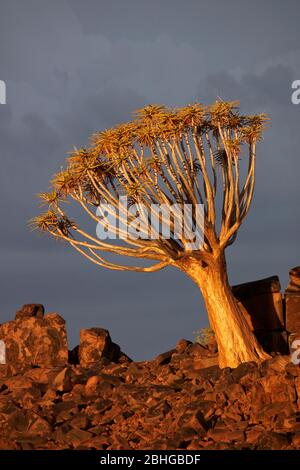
(294, 284)
(92, 385)
(30, 310)
(163, 358)
(182, 345)
(95, 345)
(292, 311)
(63, 380)
(292, 302)
(263, 301)
(34, 341)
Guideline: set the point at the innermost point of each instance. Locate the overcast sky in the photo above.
(74, 67)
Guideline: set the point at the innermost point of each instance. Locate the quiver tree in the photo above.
(187, 156)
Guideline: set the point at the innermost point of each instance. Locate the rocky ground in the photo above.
(95, 397)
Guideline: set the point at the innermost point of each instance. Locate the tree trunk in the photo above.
(231, 323)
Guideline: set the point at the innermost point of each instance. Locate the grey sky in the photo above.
(74, 67)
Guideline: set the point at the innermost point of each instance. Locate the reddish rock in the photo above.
(92, 385)
(124, 359)
(254, 434)
(64, 411)
(63, 381)
(292, 311)
(77, 436)
(294, 284)
(16, 383)
(30, 310)
(35, 341)
(296, 440)
(197, 350)
(204, 362)
(292, 369)
(223, 435)
(182, 345)
(96, 344)
(196, 421)
(277, 386)
(80, 422)
(97, 443)
(163, 358)
(279, 363)
(292, 305)
(40, 427)
(134, 372)
(18, 421)
(42, 375)
(273, 441)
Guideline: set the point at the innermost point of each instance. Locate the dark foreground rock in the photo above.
(179, 400)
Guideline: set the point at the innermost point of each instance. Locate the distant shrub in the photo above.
(204, 336)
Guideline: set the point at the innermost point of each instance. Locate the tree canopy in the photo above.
(185, 155)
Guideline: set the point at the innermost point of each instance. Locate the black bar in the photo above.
(134, 459)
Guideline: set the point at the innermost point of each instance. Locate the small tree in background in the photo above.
(191, 155)
(204, 336)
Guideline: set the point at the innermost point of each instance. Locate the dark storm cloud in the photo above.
(224, 29)
(95, 111)
(74, 67)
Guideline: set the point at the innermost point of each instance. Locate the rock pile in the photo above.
(96, 398)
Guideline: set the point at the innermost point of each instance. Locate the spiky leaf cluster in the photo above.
(163, 155)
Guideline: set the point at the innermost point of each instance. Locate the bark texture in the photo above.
(236, 340)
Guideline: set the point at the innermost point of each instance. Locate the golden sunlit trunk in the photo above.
(236, 340)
